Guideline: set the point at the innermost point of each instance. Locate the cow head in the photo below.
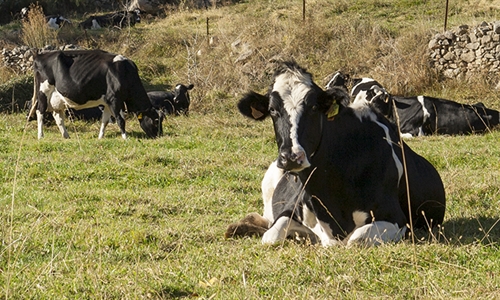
(181, 98)
(340, 80)
(151, 122)
(298, 108)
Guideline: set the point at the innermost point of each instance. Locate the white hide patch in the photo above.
(359, 218)
(427, 115)
(95, 24)
(271, 178)
(57, 102)
(376, 233)
(321, 229)
(293, 88)
(119, 58)
(363, 81)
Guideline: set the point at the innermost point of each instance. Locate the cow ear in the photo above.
(254, 106)
(332, 101)
(190, 87)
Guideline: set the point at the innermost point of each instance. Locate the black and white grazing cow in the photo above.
(172, 103)
(421, 115)
(118, 19)
(347, 161)
(89, 78)
(53, 21)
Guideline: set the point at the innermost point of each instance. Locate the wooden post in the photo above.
(208, 29)
(304, 10)
(446, 16)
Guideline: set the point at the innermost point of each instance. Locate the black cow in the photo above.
(118, 19)
(53, 21)
(349, 162)
(421, 115)
(172, 103)
(89, 78)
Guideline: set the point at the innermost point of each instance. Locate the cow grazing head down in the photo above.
(292, 96)
(88, 78)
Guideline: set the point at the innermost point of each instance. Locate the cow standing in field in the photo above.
(349, 166)
(172, 103)
(421, 115)
(118, 19)
(89, 78)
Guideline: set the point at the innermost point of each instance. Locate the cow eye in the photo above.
(273, 112)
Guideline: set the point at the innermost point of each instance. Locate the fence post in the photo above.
(304, 10)
(446, 15)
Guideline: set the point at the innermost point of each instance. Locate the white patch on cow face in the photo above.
(293, 88)
(119, 58)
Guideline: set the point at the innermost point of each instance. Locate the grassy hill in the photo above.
(139, 218)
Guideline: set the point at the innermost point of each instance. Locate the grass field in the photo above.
(126, 219)
(140, 218)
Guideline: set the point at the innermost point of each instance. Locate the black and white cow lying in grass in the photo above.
(172, 103)
(420, 115)
(119, 19)
(53, 21)
(348, 161)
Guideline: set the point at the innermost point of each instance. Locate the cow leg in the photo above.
(106, 115)
(376, 233)
(59, 118)
(120, 120)
(39, 120)
(282, 228)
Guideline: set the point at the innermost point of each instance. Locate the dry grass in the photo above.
(36, 33)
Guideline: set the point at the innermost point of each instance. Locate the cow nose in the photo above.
(287, 160)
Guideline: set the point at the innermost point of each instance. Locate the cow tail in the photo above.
(34, 102)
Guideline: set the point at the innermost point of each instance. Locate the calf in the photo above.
(349, 163)
(172, 103)
(88, 78)
(118, 19)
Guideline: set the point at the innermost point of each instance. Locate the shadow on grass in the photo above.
(463, 231)
(171, 292)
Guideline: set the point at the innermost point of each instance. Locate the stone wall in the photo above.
(465, 51)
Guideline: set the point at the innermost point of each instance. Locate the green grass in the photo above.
(139, 218)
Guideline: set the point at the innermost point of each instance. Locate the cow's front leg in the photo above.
(59, 118)
(39, 120)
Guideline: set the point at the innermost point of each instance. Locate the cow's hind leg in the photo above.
(106, 115)
(59, 118)
(251, 225)
(376, 233)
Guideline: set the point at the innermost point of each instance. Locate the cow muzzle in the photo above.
(292, 161)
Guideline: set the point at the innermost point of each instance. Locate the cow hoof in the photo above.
(240, 229)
